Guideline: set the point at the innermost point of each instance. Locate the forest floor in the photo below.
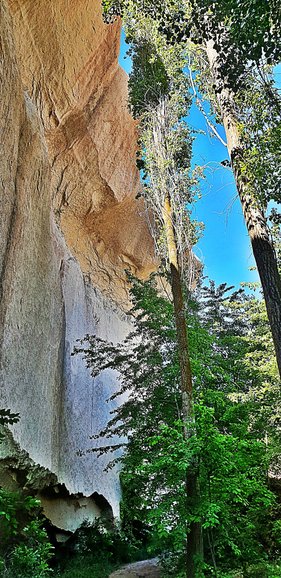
(144, 569)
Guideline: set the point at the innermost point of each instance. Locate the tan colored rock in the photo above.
(31, 299)
(70, 225)
(69, 65)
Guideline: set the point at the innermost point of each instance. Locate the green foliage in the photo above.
(106, 540)
(148, 81)
(247, 39)
(98, 548)
(30, 558)
(24, 546)
(245, 32)
(7, 418)
(25, 549)
(234, 400)
(159, 97)
(87, 567)
(233, 367)
(15, 509)
(111, 10)
(260, 114)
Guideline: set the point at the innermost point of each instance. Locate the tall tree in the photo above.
(247, 187)
(163, 173)
(158, 98)
(233, 36)
(230, 442)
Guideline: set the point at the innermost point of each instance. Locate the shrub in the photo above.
(25, 549)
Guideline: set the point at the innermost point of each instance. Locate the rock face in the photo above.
(70, 225)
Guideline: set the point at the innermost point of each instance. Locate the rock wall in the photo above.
(70, 225)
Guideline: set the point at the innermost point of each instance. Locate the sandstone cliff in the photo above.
(70, 225)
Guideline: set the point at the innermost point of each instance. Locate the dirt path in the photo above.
(144, 569)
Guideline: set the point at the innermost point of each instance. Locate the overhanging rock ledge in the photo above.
(70, 226)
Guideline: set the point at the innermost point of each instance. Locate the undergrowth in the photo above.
(86, 567)
(96, 550)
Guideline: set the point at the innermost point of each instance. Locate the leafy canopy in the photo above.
(234, 400)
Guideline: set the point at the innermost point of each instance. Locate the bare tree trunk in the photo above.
(255, 220)
(194, 545)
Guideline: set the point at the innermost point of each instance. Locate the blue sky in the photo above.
(224, 248)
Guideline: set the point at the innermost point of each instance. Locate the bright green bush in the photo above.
(30, 559)
(25, 549)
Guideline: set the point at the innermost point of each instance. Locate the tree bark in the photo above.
(255, 220)
(194, 545)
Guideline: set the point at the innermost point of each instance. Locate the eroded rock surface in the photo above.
(69, 66)
(70, 225)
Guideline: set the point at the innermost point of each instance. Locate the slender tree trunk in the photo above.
(255, 220)
(194, 546)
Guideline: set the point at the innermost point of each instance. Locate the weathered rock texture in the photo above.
(70, 225)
